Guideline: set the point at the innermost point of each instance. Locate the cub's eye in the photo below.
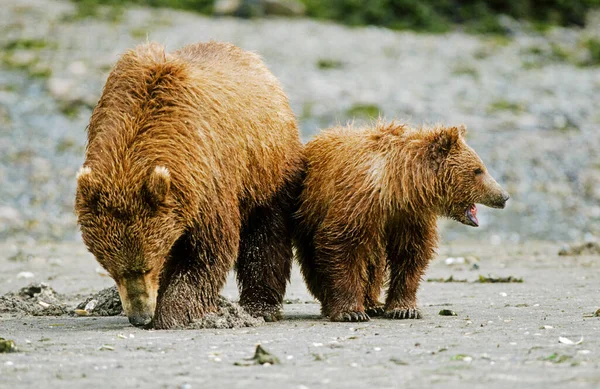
(478, 171)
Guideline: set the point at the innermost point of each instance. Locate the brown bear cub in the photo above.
(193, 164)
(369, 204)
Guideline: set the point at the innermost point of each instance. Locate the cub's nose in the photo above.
(503, 199)
(141, 320)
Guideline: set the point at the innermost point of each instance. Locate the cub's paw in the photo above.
(270, 313)
(375, 310)
(350, 316)
(403, 313)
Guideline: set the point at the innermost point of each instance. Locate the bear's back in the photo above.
(207, 110)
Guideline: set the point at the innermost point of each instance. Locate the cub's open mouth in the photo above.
(471, 214)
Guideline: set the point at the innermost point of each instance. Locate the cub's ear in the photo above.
(462, 130)
(158, 185)
(441, 142)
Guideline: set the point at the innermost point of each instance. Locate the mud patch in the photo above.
(588, 248)
(34, 300)
(229, 315)
(104, 303)
(41, 300)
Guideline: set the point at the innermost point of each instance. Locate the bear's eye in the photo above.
(478, 171)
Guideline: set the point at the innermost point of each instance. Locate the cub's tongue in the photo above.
(472, 214)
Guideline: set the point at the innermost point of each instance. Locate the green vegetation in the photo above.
(465, 70)
(326, 64)
(22, 54)
(90, 7)
(25, 44)
(557, 358)
(367, 111)
(505, 105)
(593, 47)
(536, 56)
(479, 16)
(439, 15)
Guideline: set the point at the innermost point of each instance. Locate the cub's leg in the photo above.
(376, 274)
(408, 255)
(344, 273)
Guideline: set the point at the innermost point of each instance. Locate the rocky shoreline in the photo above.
(530, 102)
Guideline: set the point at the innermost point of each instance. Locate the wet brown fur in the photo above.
(192, 164)
(369, 206)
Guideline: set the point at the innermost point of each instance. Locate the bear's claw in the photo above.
(377, 310)
(404, 313)
(351, 316)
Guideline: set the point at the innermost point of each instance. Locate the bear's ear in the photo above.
(86, 186)
(462, 130)
(441, 142)
(158, 184)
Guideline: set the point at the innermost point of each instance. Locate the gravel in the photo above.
(33, 300)
(531, 108)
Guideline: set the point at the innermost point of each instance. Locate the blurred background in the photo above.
(523, 76)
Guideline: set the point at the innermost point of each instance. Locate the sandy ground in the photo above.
(504, 335)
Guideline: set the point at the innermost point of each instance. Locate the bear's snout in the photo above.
(498, 201)
(494, 195)
(138, 296)
(140, 320)
(504, 199)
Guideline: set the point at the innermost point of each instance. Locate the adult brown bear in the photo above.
(192, 165)
(370, 202)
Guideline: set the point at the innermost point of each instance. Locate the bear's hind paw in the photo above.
(351, 316)
(269, 313)
(375, 310)
(404, 313)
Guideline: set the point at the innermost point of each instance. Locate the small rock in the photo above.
(261, 357)
(455, 261)
(9, 215)
(60, 88)
(91, 305)
(77, 68)
(22, 58)
(7, 346)
(25, 274)
(226, 7)
(447, 312)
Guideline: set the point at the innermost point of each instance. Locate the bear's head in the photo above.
(130, 225)
(462, 179)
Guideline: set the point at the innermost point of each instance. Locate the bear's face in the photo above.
(130, 231)
(465, 179)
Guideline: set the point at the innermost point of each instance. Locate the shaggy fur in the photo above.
(193, 162)
(369, 203)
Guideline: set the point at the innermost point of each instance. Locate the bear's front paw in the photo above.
(270, 313)
(350, 316)
(403, 313)
(376, 309)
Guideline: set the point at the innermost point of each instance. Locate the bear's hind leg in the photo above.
(265, 256)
